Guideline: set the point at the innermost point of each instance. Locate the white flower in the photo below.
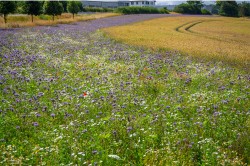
(81, 153)
(114, 156)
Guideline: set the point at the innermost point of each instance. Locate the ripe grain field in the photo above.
(218, 38)
(72, 96)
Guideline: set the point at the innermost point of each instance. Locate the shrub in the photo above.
(141, 10)
(205, 12)
(164, 10)
(97, 9)
(192, 7)
(182, 8)
(44, 17)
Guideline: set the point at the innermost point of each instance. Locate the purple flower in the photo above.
(68, 115)
(38, 115)
(129, 129)
(94, 152)
(222, 88)
(216, 114)
(35, 124)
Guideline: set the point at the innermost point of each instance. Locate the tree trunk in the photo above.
(73, 15)
(32, 17)
(5, 18)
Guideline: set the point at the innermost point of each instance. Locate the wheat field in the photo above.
(219, 38)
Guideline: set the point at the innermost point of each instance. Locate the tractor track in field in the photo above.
(190, 26)
(186, 28)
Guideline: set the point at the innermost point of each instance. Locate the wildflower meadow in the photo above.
(70, 95)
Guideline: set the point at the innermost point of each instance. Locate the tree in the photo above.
(73, 7)
(195, 6)
(182, 8)
(191, 7)
(80, 6)
(228, 8)
(53, 8)
(65, 4)
(244, 9)
(7, 7)
(205, 12)
(19, 7)
(33, 8)
(215, 9)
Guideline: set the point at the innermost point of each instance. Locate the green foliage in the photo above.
(182, 8)
(44, 17)
(196, 5)
(141, 10)
(164, 10)
(191, 7)
(73, 7)
(97, 9)
(228, 8)
(215, 9)
(53, 8)
(7, 7)
(33, 8)
(20, 7)
(205, 12)
(244, 9)
(80, 5)
(65, 4)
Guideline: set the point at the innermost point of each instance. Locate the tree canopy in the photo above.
(65, 4)
(73, 7)
(228, 8)
(191, 7)
(244, 9)
(53, 8)
(33, 8)
(7, 7)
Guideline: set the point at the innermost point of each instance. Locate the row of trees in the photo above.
(224, 8)
(232, 8)
(35, 8)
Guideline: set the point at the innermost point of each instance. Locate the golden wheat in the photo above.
(226, 39)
